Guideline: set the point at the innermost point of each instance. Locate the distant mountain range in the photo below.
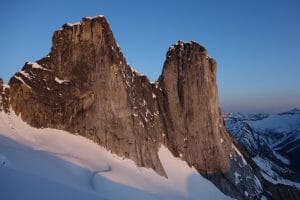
(273, 141)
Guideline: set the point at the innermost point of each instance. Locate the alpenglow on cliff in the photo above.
(85, 86)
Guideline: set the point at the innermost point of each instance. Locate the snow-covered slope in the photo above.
(53, 164)
(273, 141)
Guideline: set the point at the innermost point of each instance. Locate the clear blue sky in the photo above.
(256, 43)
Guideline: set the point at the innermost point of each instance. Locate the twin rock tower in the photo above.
(85, 86)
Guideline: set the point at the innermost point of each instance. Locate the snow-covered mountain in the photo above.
(273, 141)
(51, 164)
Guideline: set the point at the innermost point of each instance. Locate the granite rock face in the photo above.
(190, 108)
(85, 86)
(4, 97)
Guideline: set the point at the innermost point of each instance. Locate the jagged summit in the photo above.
(185, 44)
(89, 18)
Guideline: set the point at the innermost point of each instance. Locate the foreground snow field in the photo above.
(53, 164)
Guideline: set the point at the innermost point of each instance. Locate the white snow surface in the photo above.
(73, 24)
(270, 175)
(35, 65)
(53, 164)
(240, 154)
(281, 158)
(59, 81)
(92, 17)
(23, 82)
(280, 123)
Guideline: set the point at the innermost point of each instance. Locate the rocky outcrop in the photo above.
(1, 92)
(4, 97)
(190, 108)
(85, 86)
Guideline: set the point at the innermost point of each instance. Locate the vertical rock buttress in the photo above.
(191, 109)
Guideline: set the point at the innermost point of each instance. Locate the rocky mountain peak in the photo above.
(194, 121)
(75, 45)
(85, 86)
(184, 46)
